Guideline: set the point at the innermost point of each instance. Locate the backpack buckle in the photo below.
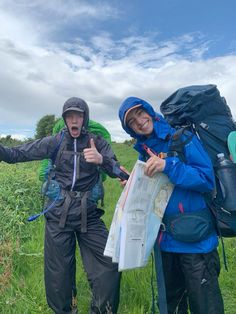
(76, 194)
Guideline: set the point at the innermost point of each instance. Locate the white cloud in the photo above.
(69, 9)
(38, 77)
(55, 20)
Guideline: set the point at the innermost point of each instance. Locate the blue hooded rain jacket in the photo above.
(191, 178)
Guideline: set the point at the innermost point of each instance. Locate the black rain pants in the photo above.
(60, 264)
(194, 276)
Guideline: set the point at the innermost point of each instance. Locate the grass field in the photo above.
(21, 248)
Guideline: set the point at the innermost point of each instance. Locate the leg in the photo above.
(201, 276)
(103, 276)
(183, 304)
(175, 284)
(59, 259)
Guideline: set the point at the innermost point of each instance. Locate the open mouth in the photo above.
(74, 131)
(145, 124)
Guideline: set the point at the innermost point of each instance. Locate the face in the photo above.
(140, 121)
(74, 121)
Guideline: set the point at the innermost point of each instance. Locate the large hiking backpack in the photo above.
(202, 110)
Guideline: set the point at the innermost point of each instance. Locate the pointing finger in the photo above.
(150, 153)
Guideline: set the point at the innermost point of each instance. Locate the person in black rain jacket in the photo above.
(74, 215)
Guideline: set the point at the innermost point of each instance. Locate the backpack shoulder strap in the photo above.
(179, 139)
(54, 156)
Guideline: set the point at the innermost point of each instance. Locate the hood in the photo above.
(77, 104)
(161, 127)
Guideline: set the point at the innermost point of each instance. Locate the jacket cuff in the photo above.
(107, 166)
(170, 164)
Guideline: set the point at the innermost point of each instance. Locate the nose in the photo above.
(74, 118)
(138, 121)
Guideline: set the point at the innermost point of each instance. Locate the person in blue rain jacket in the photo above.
(188, 241)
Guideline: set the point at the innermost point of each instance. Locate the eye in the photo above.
(139, 112)
(130, 122)
(80, 114)
(68, 115)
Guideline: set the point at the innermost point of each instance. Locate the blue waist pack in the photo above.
(189, 227)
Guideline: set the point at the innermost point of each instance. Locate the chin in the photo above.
(146, 132)
(74, 135)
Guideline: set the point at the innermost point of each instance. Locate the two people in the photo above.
(191, 269)
(74, 217)
(190, 261)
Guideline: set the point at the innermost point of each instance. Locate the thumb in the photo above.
(92, 144)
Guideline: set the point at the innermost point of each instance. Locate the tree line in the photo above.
(44, 128)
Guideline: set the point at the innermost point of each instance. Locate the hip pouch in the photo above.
(51, 189)
(97, 192)
(189, 227)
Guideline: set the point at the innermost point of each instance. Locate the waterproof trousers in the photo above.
(195, 276)
(102, 274)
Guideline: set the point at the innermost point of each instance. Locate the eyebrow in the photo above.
(136, 110)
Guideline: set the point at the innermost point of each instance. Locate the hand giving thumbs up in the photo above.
(92, 155)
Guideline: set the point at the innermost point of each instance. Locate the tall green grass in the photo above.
(21, 248)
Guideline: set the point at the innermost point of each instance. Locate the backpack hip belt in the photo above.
(72, 194)
(69, 195)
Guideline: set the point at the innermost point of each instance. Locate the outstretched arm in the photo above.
(34, 150)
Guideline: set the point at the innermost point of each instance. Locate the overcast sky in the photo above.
(105, 51)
